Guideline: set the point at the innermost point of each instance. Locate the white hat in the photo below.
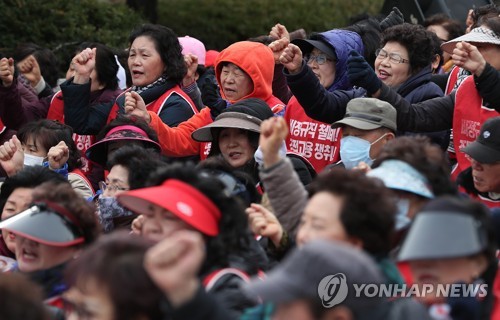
(478, 35)
(399, 175)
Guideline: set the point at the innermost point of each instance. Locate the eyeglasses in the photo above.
(320, 58)
(393, 57)
(111, 187)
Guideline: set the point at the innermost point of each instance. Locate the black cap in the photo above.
(486, 148)
(306, 46)
(254, 107)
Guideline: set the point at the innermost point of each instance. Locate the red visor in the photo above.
(180, 198)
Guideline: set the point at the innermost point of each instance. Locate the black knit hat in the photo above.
(246, 114)
(252, 106)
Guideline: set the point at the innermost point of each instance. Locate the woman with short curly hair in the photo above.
(183, 197)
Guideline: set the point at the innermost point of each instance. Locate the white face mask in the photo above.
(31, 160)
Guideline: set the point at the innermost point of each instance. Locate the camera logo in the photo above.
(333, 289)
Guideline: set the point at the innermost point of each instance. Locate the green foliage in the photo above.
(60, 24)
(219, 23)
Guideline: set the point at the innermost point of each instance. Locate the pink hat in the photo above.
(193, 46)
(98, 152)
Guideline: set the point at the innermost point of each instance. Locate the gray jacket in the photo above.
(286, 193)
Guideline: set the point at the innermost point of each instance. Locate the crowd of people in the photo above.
(271, 180)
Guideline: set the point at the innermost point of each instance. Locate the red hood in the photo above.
(257, 60)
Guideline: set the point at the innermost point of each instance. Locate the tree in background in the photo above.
(148, 8)
(61, 24)
(219, 23)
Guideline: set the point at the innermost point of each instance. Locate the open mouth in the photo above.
(235, 155)
(383, 74)
(136, 73)
(28, 254)
(229, 91)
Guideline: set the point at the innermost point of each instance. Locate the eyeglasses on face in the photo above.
(393, 57)
(111, 187)
(320, 58)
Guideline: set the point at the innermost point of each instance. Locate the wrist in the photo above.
(81, 79)
(376, 94)
(39, 85)
(277, 238)
(179, 296)
(7, 83)
(188, 82)
(294, 71)
(270, 160)
(61, 169)
(479, 71)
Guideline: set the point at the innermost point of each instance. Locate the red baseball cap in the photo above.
(185, 201)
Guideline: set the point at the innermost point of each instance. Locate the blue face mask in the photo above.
(353, 150)
(402, 219)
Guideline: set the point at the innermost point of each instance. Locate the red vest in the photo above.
(452, 80)
(2, 127)
(316, 141)
(275, 104)
(468, 117)
(56, 112)
(157, 105)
